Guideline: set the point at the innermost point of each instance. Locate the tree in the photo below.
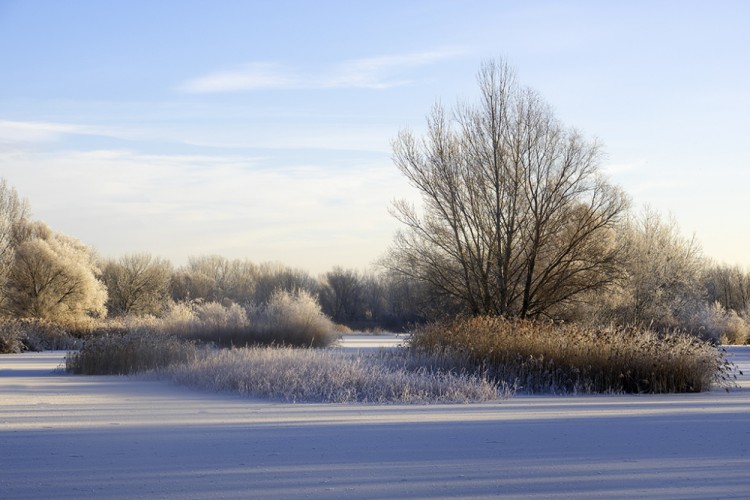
(517, 219)
(730, 286)
(342, 295)
(54, 277)
(14, 213)
(273, 277)
(662, 284)
(137, 284)
(215, 279)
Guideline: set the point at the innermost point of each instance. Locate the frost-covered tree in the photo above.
(137, 284)
(663, 273)
(54, 276)
(14, 213)
(730, 286)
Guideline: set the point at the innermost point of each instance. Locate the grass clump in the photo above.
(129, 353)
(302, 375)
(283, 373)
(545, 358)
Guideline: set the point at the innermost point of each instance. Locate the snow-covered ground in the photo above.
(68, 437)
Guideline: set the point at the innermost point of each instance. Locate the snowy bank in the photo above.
(68, 437)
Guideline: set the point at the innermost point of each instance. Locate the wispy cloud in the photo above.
(25, 131)
(176, 205)
(369, 73)
(253, 76)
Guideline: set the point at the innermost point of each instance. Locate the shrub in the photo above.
(293, 319)
(18, 335)
(720, 325)
(10, 339)
(541, 357)
(129, 353)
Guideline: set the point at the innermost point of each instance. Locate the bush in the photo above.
(211, 322)
(129, 353)
(10, 339)
(719, 325)
(543, 358)
(18, 335)
(293, 319)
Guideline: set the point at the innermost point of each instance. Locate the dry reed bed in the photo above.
(544, 358)
(133, 352)
(303, 375)
(283, 373)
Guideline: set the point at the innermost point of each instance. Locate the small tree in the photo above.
(54, 277)
(137, 284)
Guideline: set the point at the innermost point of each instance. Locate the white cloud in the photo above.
(24, 131)
(254, 76)
(368, 73)
(175, 206)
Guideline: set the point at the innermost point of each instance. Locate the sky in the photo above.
(262, 130)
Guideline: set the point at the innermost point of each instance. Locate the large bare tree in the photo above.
(516, 219)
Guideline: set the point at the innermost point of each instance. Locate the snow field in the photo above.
(68, 437)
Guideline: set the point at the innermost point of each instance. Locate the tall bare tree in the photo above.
(517, 219)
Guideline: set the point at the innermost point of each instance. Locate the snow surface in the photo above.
(64, 436)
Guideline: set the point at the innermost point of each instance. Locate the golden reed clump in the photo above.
(542, 357)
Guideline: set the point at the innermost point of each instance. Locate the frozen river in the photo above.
(67, 437)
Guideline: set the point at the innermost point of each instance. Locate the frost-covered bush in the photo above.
(287, 319)
(718, 324)
(293, 318)
(208, 322)
(10, 339)
(18, 335)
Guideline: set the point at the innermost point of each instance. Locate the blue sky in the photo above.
(262, 130)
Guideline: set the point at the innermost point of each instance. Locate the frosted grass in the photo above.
(303, 375)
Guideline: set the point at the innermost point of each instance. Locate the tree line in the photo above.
(48, 275)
